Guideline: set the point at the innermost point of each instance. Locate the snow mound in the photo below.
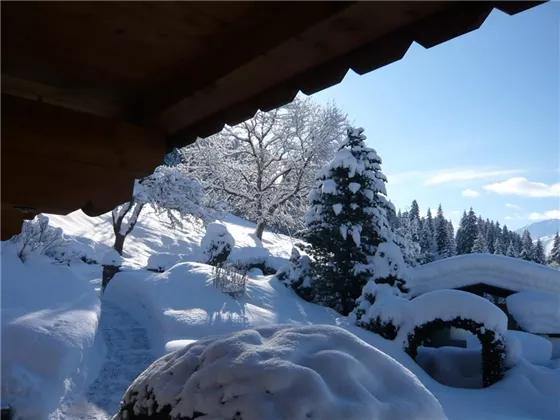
(250, 256)
(49, 320)
(536, 312)
(112, 258)
(494, 270)
(448, 305)
(280, 372)
(531, 347)
(164, 261)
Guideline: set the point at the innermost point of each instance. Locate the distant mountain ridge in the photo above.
(545, 230)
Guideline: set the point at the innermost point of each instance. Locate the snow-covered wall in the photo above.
(494, 270)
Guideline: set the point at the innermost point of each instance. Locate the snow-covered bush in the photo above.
(345, 222)
(37, 236)
(297, 274)
(430, 313)
(383, 299)
(251, 257)
(279, 372)
(163, 261)
(217, 244)
(535, 311)
(230, 279)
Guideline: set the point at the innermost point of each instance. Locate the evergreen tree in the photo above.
(539, 257)
(499, 247)
(345, 222)
(414, 218)
(467, 233)
(554, 257)
(428, 247)
(451, 245)
(480, 246)
(490, 235)
(441, 233)
(527, 250)
(512, 250)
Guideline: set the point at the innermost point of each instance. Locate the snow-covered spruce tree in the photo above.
(540, 256)
(441, 234)
(345, 222)
(554, 257)
(451, 244)
(169, 191)
(527, 249)
(428, 244)
(499, 247)
(511, 250)
(480, 246)
(467, 232)
(384, 294)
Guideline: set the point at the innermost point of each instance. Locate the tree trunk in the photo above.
(260, 229)
(119, 243)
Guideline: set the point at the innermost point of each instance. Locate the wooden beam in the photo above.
(266, 25)
(56, 160)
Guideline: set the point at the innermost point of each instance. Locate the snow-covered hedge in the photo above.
(536, 312)
(37, 236)
(279, 372)
(434, 311)
(217, 244)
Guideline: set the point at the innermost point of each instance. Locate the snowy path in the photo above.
(128, 355)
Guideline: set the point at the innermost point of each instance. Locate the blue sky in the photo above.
(471, 122)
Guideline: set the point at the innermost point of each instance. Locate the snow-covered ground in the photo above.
(177, 308)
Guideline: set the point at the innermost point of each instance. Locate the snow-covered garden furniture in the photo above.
(112, 262)
(216, 245)
(434, 311)
(279, 372)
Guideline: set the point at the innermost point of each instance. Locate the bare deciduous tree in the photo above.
(264, 167)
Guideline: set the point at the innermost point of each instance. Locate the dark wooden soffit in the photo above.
(188, 68)
(362, 37)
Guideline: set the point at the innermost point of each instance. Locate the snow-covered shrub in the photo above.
(382, 304)
(37, 236)
(430, 313)
(217, 243)
(345, 222)
(163, 261)
(230, 279)
(75, 249)
(297, 274)
(251, 257)
(279, 372)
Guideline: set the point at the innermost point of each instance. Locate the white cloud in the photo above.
(524, 187)
(456, 212)
(515, 216)
(470, 193)
(550, 214)
(467, 175)
(513, 206)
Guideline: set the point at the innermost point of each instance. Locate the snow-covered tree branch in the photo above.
(170, 191)
(264, 167)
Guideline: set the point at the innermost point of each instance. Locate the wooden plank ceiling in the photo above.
(174, 71)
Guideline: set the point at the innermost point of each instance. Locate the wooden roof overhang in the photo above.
(94, 93)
